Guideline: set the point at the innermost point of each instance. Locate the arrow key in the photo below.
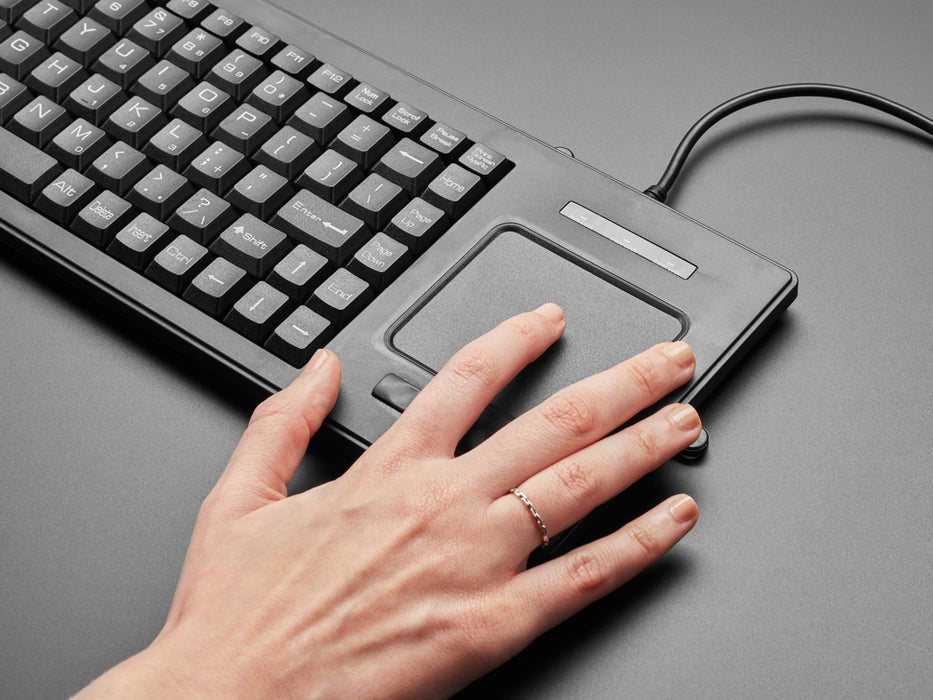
(299, 335)
(217, 286)
(258, 311)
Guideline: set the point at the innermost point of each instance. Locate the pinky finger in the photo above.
(571, 582)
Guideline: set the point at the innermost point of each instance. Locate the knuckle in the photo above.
(471, 367)
(273, 408)
(524, 326)
(646, 541)
(646, 442)
(587, 572)
(572, 413)
(580, 481)
(643, 375)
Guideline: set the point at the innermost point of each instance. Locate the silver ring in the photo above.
(534, 514)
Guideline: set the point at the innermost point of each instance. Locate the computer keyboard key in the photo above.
(135, 122)
(64, 196)
(299, 335)
(47, 20)
(364, 140)
(197, 52)
(455, 190)
(321, 226)
(39, 121)
(176, 144)
(13, 97)
(119, 168)
(124, 62)
(95, 99)
(260, 192)
(331, 176)
(279, 95)
(160, 192)
(100, 219)
(215, 288)
(341, 297)
(258, 41)
(300, 272)
(56, 76)
(157, 31)
(223, 24)
(20, 53)
(294, 61)
(485, 162)
(322, 117)
(418, 225)
(445, 140)
(138, 241)
(237, 74)
(332, 80)
(252, 244)
(203, 216)
(204, 106)
(218, 167)
(5, 30)
(118, 15)
(177, 264)
(368, 99)
(245, 128)
(163, 84)
(407, 119)
(380, 261)
(288, 152)
(375, 200)
(192, 11)
(12, 10)
(410, 165)
(257, 313)
(85, 40)
(78, 144)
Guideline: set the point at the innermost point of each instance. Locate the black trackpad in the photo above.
(607, 319)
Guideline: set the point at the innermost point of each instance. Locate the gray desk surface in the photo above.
(809, 572)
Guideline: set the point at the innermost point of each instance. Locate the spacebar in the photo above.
(24, 169)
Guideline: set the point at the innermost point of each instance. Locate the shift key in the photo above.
(321, 226)
(24, 169)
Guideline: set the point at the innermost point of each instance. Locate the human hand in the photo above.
(406, 576)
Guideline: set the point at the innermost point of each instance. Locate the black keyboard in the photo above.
(265, 186)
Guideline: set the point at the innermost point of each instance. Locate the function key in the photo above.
(455, 190)
(157, 31)
(331, 80)
(192, 11)
(258, 312)
(484, 161)
(20, 53)
(197, 52)
(445, 140)
(85, 40)
(258, 41)
(224, 24)
(367, 99)
(299, 335)
(118, 15)
(47, 20)
(178, 263)
(294, 61)
(406, 119)
(364, 140)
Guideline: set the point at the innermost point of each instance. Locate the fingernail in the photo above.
(684, 509)
(552, 312)
(685, 417)
(317, 359)
(680, 353)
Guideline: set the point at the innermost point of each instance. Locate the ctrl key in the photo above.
(177, 264)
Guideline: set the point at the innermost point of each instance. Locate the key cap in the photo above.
(95, 99)
(78, 144)
(455, 190)
(375, 201)
(39, 121)
(418, 225)
(407, 119)
(157, 31)
(204, 107)
(135, 122)
(258, 41)
(245, 128)
(218, 167)
(300, 272)
(445, 140)
(380, 261)
(46, 20)
(299, 335)
(12, 10)
(5, 30)
(364, 140)
(85, 40)
(260, 192)
(197, 52)
(410, 165)
(177, 264)
(56, 76)
(193, 11)
(217, 286)
(252, 244)
(175, 145)
(294, 61)
(163, 84)
(118, 15)
(223, 24)
(136, 243)
(62, 198)
(278, 95)
(485, 162)
(203, 216)
(119, 167)
(288, 152)
(124, 62)
(331, 176)
(258, 312)
(160, 192)
(332, 80)
(368, 99)
(322, 117)
(20, 53)
(321, 226)
(237, 74)
(13, 97)
(101, 218)
(341, 297)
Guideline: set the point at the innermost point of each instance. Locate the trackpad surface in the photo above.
(607, 319)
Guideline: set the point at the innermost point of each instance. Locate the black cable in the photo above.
(775, 92)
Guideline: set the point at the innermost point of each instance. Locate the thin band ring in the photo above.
(534, 514)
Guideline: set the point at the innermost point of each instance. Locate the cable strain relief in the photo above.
(656, 192)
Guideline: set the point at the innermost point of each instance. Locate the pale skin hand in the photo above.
(406, 577)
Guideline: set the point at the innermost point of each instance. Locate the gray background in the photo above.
(809, 571)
